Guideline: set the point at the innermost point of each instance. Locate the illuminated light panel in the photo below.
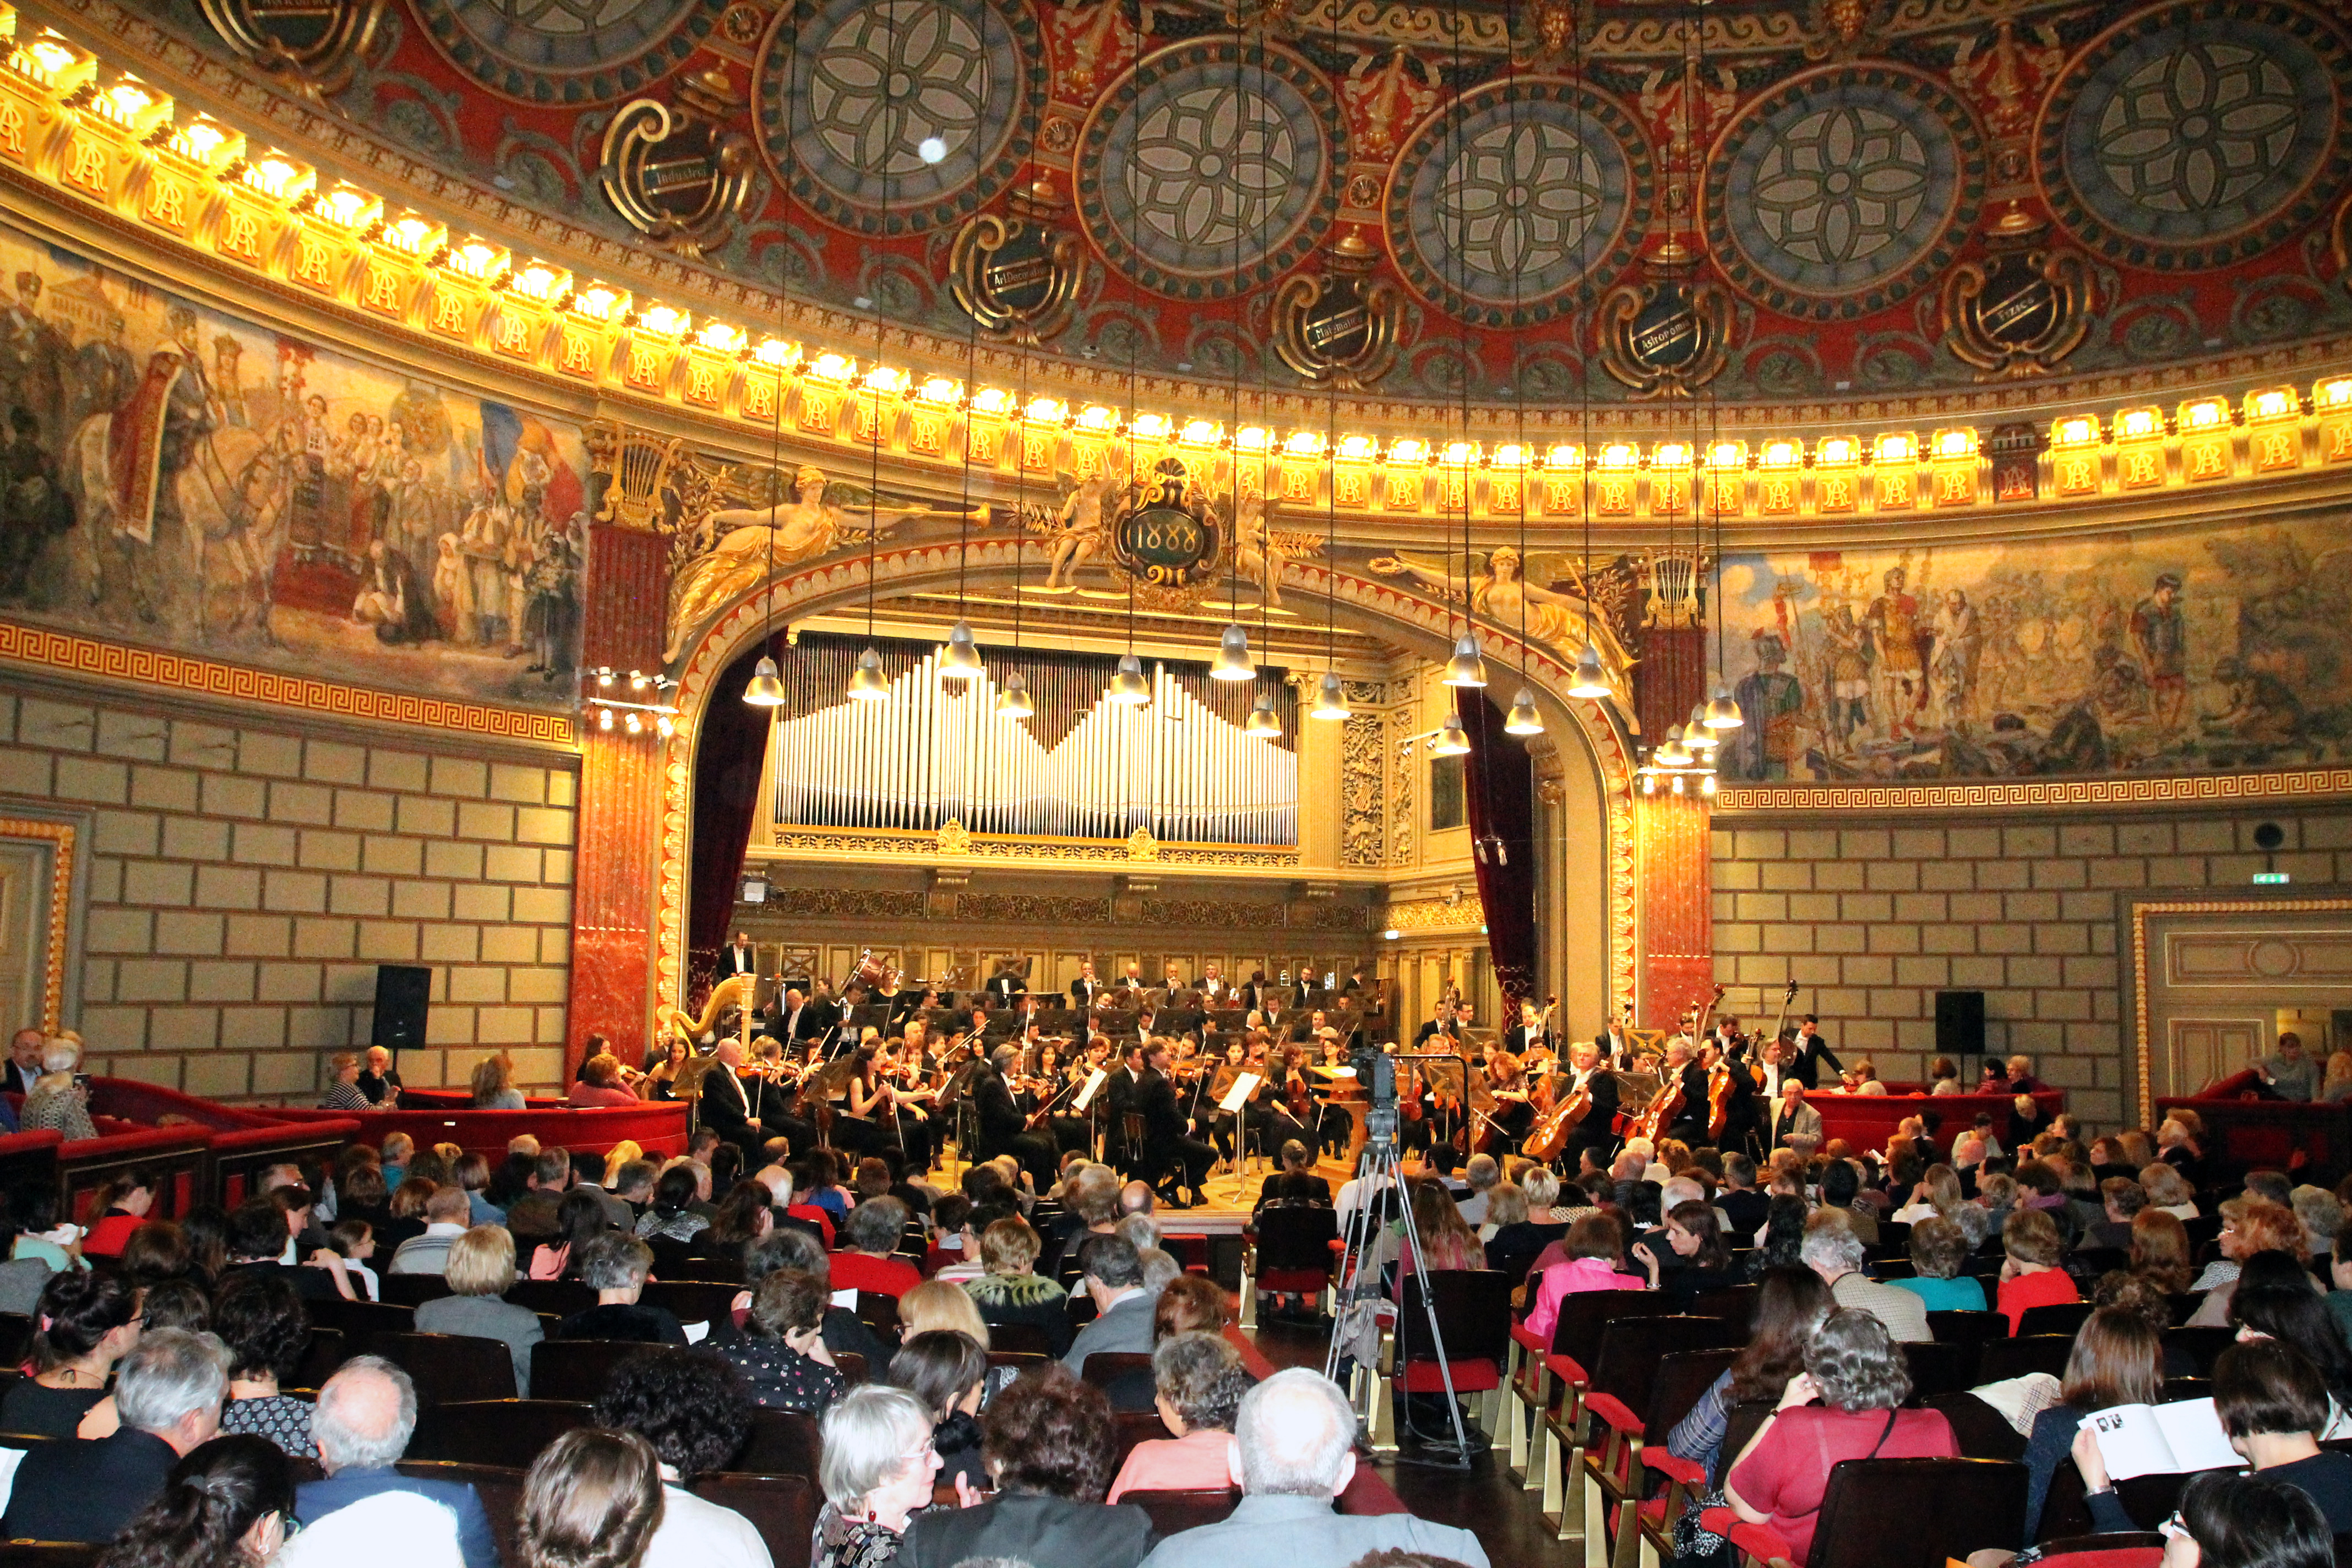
(132, 104)
(276, 175)
(2139, 424)
(1303, 444)
(207, 143)
(538, 281)
(1359, 448)
(1897, 449)
(1408, 449)
(1564, 456)
(1254, 438)
(1671, 455)
(482, 262)
(2205, 413)
(1781, 455)
(885, 380)
(942, 391)
(414, 236)
(721, 338)
(1200, 432)
(832, 367)
(992, 400)
(777, 353)
(1095, 419)
(348, 207)
(1460, 453)
(1838, 452)
(52, 61)
(2273, 403)
(1150, 428)
(1728, 455)
(1046, 411)
(1952, 444)
(1511, 455)
(2335, 394)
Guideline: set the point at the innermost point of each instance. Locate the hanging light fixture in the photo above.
(1671, 753)
(1451, 741)
(1466, 667)
(1013, 699)
(1722, 712)
(1331, 697)
(1701, 740)
(1524, 720)
(1233, 661)
(960, 660)
(869, 684)
(1129, 687)
(1262, 724)
(766, 690)
(1592, 682)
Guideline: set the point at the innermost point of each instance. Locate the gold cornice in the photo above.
(64, 840)
(349, 147)
(2156, 792)
(1417, 916)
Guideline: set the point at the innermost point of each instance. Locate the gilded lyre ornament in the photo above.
(313, 46)
(636, 468)
(1339, 326)
(2023, 307)
(1019, 274)
(679, 175)
(1669, 336)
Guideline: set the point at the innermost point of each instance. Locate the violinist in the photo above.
(771, 1086)
(661, 1082)
(1004, 1130)
(1586, 1074)
(1311, 1026)
(1683, 1065)
(868, 1118)
(1514, 1111)
(1228, 1130)
(1319, 1123)
(1045, 1086)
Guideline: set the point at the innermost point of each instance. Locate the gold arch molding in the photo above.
(1363, 603)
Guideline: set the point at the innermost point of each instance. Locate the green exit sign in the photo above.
(2269, 879)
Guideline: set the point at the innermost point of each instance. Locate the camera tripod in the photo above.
(1380, 1177)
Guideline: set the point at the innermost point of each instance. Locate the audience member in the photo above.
(263, 1324)
(226, 1504)
(1198, 1382)
(480, 1268)
(2031, 1275)
(167, 1393)
(1791, 1303)
(1292, 1454)
(877, 1472)
(616, 1267)
(87, 1322)
(781, 1356)
(868, 1259)
(694, 1412)
(593, 1499)
(1589, 1252)
(948, 1371)
(366, 1414)
(1834, 1251)
(2117, 1359)
(1939, 1250)
(447, 1213)
(1114, 1278)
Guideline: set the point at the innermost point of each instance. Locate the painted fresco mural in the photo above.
(176, 476)
(2186, 651)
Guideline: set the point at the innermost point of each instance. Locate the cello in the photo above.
(1666, 1105)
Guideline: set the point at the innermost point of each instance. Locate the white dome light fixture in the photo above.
(1128, 687)
(766, 689)
(1330, 699)
(960, 660)
(869, 684)
(1466, 667)
(1013, 699)
(1524, 719)
(1233, 661)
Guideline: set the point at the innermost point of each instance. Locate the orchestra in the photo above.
(1152, 1078)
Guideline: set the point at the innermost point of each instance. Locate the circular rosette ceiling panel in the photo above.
(568, 51)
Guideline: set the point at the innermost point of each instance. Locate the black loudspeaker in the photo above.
(403, 993)
(1959, 1023)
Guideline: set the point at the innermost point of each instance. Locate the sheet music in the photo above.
(1095, 1082)
(1243, 1088)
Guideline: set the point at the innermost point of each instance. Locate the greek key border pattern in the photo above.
(66, 840)
(184, 672)
(2144, 1045)
(2178, 789)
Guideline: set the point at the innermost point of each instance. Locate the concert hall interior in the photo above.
(1283, 600)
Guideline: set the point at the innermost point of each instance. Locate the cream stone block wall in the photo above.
(1874, 916)
(248, 875)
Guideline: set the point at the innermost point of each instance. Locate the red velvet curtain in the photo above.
(1498, 785)
(726, 793)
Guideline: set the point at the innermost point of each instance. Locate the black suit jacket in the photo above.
(69, 1490)
(1004, 987)
(1083, 992)
(1603, 1085)
(725, 1109)
(1042, 1532)
(1163, 1120)
(732, 962)
(1001, 1121)
(1806, 1069)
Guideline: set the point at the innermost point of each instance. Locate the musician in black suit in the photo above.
(772, 1102)
(1588, 1072)
(1216, 990)
(1441, 1022)
(738, 957)
(724, 1107)
(1086, 987)
(1169, 1154)
(1532, 1032)
(1002, 1129)
(1805, 1064)
(790, 1018)
(1121, 1093)
(1357, 982)
(1006, 984)
(1690, 1119)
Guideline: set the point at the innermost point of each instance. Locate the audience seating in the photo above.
(1020, 1339)
(320, 1361)
(2148, 1500)
(411, 1290)
(1473, 1308)
(1124, 1375)
(360, 1321)
(561, 1297)
(579, 1369)
(1291, 1256)
(782, 1443)
(2057, 1318)
(2123, 1549)
(1899, 1513)
(450, 1368)
(2177, 1389)
(494, 1431)
(15, 1338)
(500, 1487)
(783, 1508)
(1940, 1369)
(1652, 1370)
(1172, 1511)
(692, 1301)
(50, 1554)
(1983, 1431)
(879, 1313)
(1967, 1327)
(1135, 1426)
(851, 1366)
(1551, 1389)
(1999, 1359)
(1020, 1361)
(1735, 1304)
(2204, 1346)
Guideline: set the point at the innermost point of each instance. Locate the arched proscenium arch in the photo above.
(1368, 605)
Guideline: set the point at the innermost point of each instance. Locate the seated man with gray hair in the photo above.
(615, 1267)
(366, 1414)
(1292, 1454)
(1834, 1251)
(168, 1393)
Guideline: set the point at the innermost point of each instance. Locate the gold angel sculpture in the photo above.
(1501, 596)
(748, 541)
(1261, 552)
(1079, 529)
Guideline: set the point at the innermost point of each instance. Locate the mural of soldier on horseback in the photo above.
(199, 481)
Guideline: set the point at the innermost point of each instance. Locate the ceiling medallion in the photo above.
(1844, 190)
(2197, 135)
(679, 176)
(2023, 307)
(1168, 538)
(1019, 275)
(1670, 336)
(312, 47)
(1506, 202)
(568, 51)
(1338, 327)
(850, 90)
(1211, 167)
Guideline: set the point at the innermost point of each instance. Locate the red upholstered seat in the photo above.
(1424, 1377)
(1613, 1410)
(1674, 1468)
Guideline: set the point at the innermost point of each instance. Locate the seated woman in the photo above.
(600, 1083)
(1854, 1368)
(2272, 1404)
(1199, 1382)
(2117, 1359)
(88, 1322)
(2273, 1300)
(493, 1084)
(2244, 1522)
(877, 1473)
(1701, 1262)
(580, 1219)
(2168, 1192)
(1790, 1305)
(948, 1371)
(616, 1267)
(57, 1103)
(2249, 1226)
(781, 1355)
(1012, 1291)
(480, 1268)
(743, 1217)
(944, 1306)
(1593, 1246)
(672, 1214)
(262, 1322)
(121, 1205)
(1938, 1249)
(1050, 1449)
(1936, 1193)
(2030, 1276)
(2160, 1252)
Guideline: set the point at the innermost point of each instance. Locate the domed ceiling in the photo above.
(1761, 201)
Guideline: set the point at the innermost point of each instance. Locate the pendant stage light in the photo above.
(1465, 667)
(869, 684)
(1262, 724)
(1330, 700)
(1524, 719)
(1012, 700)
(1591, 683)
(1128, 687)
(1670, 754)
(1722, 712)
(1451, 741)
(1233, 661)
(960, 660)
(765, 691)
(1701, 740)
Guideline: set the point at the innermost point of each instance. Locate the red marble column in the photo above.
(1673, 904)
(620, 803)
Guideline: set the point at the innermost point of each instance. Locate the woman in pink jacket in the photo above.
(1593, 1246)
